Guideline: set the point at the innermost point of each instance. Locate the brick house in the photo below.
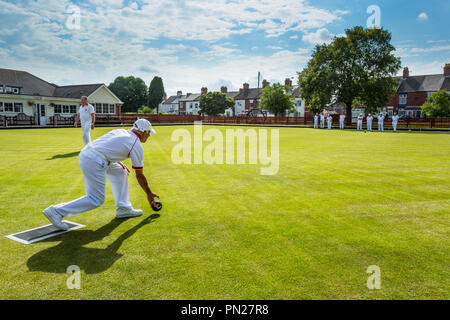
(413, 91)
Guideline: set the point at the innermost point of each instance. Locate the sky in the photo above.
(193, 44)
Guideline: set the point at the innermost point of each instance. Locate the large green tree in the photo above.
(437, 105)
(132, 91)
(215, 103)
(277, 100)
(155, 93)
(358, 66)
(316, 79)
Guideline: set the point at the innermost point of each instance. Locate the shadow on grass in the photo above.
(65, 155)
(72, 251)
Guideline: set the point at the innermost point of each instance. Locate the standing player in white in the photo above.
(87, 116)
(322, 120)
(380, 122)
(101, 159)
(329, 121)
(395, 121)
(316, 120)
(359, 122)
(341, 121)
(369, 122)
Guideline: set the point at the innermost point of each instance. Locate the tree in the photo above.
(155, 93)
(359, 66)
(275, 99)
(214, 103)
(437, 105)
(316, 79)
(132, 91)
(145, 110)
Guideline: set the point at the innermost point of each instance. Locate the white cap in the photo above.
(143, 125)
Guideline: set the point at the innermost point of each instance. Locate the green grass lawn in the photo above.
(341, 201)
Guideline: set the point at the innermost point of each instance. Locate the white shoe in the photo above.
(55, 218)
(123, 212)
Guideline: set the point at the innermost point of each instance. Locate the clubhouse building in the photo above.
(29, 97)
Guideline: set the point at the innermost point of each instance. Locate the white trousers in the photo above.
(341, 124)
(394, 126)
(322, 123)
(315, 124)
(329, 124)
(369, 125)
(359, 125)
(380, 126)
(86, 129)
(95, 170)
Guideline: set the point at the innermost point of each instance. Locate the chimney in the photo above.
(204, 90)
(245, 86)
(288, 82)
(223, 89)
(265, 83)
(447, 70)
(179, 93)
(405, 72)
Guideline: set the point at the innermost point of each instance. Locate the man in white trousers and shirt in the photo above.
(341, 121)
(395, 121)
(369, 122)
(87, 116)
(380, 122)
(359, 122)
(322, 120)
(101, 159)
(316, 121)
(329, 121)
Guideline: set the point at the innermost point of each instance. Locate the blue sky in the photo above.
(196, 43)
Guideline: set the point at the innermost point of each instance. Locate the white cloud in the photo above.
(321, 36)
(422, 16)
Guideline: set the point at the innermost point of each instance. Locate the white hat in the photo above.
(143, 125)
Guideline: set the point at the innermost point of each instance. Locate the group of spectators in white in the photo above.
(359, 122)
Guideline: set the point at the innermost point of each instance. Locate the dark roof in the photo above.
(76, 91)
(232, 94)
(191, 97)
(34, 86)
(169, 100)
(432, 82)
(251, 93)
(29, 84)
(296, 91)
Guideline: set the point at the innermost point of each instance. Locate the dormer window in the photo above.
(8, 89)
(1, 88)
(15, 90)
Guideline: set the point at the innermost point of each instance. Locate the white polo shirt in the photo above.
(395, 118)
(369, 118)
(341, 118)
(85, 113)
(120, 144)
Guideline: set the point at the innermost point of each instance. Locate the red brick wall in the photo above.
(413, 99)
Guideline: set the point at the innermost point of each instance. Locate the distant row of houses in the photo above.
(245, 100)
(412, 92)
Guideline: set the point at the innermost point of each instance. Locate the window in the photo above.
(98, 108)
(15, 90)
(402, 98)
(8, 89)
(65, 109)
(8, 107)
(1, 89)
(105, 108)
(18, 107)
(1, 107)
(73, 109)
(112, 109)
(58, 108)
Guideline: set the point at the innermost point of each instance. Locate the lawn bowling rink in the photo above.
(341, 201)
